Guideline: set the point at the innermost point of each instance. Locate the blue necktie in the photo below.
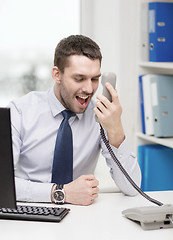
(62, 170)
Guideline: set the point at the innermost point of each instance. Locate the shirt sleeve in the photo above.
(129, 161)
(29, 191)
(26, 190)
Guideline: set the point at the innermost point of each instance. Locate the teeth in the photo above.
(83, 97)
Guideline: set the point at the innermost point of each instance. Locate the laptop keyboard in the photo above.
(34, 213)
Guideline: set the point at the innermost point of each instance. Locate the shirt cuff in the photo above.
(41, 192)
(28, 191)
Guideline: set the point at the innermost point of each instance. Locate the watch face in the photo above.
(59, 196)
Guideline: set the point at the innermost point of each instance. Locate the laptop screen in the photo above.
(7, 183)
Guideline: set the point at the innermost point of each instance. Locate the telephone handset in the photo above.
(111, 78)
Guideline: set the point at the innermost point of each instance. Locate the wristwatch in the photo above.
(59, 194)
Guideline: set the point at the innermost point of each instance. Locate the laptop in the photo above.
(9, 209)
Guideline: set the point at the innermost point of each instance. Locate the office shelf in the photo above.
(168, 142)
(146, 67)
(157, 65)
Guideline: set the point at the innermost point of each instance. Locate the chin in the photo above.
(78, 110)
(81, 110)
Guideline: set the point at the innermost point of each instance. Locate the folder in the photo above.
(148, 110)
(161, 32)
(162, 104)
(141, 97)
(144, 31)
(156, 163)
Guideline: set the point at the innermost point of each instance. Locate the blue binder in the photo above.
(162, 105)
(160, 32)
(156, 163)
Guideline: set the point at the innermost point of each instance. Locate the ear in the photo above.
(56, 74)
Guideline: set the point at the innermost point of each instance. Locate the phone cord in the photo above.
(124, 171)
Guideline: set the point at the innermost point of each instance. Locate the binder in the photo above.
(156, 163)
(141, 97)
(148, 110)
(160, 32)
(144, 31)
(162, 104)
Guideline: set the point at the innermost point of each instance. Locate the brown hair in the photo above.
(75, 45)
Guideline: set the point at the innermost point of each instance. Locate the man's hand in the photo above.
(82, 191)
(109, 115)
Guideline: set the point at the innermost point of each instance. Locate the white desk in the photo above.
(101, 220)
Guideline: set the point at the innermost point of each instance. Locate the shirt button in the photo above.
(120, 155)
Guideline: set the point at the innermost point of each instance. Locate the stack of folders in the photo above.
(156, 163)
(160, 31)
(156, 100)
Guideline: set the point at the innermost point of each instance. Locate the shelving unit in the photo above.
(146, 67)
(168, 142)
(162, 66)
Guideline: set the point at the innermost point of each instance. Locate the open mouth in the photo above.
(83, 100)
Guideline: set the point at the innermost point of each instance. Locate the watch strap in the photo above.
(59, 186)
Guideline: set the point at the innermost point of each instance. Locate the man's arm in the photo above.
(109, 114)
(130, 164)
(29, 191)
(26, 190)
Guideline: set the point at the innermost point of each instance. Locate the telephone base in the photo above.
(152, 217)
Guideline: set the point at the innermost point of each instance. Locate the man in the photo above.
(37, 116)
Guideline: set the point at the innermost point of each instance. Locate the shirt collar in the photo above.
(55, 106)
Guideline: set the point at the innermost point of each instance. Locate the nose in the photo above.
(88, 86)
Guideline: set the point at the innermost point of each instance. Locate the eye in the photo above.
(79, 79)
(95, 79)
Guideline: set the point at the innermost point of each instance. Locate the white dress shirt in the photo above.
(36, 118)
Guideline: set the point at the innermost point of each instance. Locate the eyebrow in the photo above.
(85, 76)
(97, 76)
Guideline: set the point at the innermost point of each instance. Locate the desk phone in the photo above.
(151, 217)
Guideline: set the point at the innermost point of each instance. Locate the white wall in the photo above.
(30, 31)
(128, 66)
(100, 21)
(113, 25)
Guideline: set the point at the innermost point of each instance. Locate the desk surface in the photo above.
(101, 220)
